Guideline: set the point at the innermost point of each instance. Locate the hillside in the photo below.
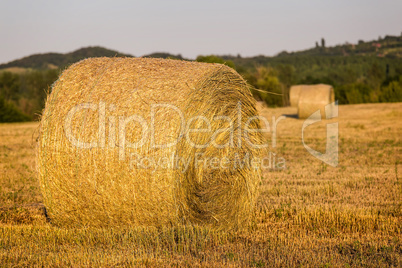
(164, 55)
(366, 72)
(389, 47)
(59, 60)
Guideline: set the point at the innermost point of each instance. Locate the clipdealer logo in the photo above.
(239, 131)
(118, 138)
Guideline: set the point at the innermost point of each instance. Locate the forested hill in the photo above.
(388, 47)
(360, 73)
(59, 60)
(365, 72)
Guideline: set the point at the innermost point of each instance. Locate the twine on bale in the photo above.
(103, 156)
(266, 91)
(316, 97)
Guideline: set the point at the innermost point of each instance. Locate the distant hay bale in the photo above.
(313, 98)
(294, 94)
(101, 155)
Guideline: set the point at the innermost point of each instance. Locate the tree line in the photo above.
(22, 95)
(356, 79)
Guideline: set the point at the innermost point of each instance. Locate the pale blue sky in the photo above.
(191, 28)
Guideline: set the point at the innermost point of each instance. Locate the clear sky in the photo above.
(191, 28)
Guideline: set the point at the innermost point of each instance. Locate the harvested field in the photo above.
(308, 213)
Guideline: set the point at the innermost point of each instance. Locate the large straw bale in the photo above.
(316, 97)
(99, 162)
(294, 94)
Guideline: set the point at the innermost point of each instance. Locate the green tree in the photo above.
(34, 86)
(375, 75)
(266, 83)
(10, 113)
(9, 86)
(286, 76)
(215, 59)
(353, 96)
(391, 92)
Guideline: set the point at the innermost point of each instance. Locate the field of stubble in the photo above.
(308, 214)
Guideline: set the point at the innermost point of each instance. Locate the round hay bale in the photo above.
(294, 94)
(313, 98)
(135, 141)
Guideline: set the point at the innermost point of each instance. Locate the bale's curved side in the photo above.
(313, 98)
(294, 94)
(96, 168)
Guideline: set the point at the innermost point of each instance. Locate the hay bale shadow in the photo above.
(294, 116)
(24, 214)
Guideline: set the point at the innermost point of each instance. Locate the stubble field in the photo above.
(308, 213)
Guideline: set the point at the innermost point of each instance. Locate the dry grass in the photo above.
(309, 214)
